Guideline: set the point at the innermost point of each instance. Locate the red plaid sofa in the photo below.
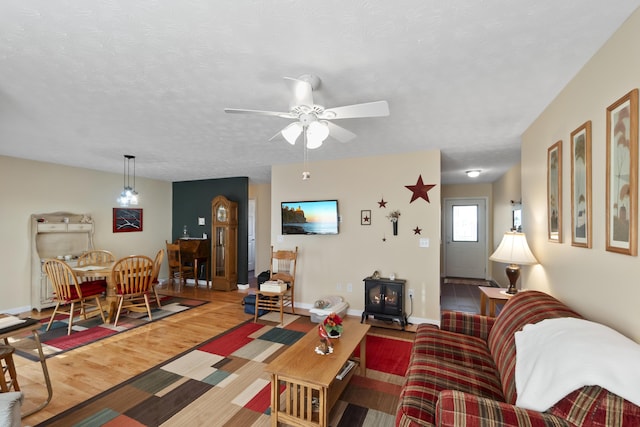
(463, 374)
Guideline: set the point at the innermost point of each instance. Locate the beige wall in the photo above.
(505, 189)
(353, 254)
(601, 285)
(29, 187)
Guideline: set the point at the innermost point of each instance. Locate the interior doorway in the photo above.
(251, 261)
(465, 232)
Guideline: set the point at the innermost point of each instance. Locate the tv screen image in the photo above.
(310, 217)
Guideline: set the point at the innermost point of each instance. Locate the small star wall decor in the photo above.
(417, 230)
(382, 203)
(420, 190)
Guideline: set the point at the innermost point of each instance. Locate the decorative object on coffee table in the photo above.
(333, 325)
(325, 346)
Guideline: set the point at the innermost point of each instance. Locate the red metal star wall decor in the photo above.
(382, 203)
(417, 230)
(420, 190)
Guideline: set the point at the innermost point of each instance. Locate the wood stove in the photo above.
(384, 300)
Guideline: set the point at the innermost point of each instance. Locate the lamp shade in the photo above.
(513, 249)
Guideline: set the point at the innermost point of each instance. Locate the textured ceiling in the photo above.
(84, 82)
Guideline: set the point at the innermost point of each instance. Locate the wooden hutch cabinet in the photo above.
(224, 244)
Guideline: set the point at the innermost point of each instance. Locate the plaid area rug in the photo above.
(222, 382)
(56, 341)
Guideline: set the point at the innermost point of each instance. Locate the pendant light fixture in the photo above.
(129, 195)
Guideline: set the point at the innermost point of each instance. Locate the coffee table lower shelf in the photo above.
(303, 404)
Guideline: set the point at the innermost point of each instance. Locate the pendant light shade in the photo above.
(129, 195)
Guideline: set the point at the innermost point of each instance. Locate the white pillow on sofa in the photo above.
(10, 405)
(557, 356)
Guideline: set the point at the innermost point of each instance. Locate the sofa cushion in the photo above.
(10, 404)
(427, 377)
(595, 406)
(523, 308)
(456, 348)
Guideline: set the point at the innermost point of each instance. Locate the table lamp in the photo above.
(513, 250)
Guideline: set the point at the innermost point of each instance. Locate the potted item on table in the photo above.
(333, 325)
(325, 346)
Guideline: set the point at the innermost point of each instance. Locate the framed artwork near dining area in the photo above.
(127, 220)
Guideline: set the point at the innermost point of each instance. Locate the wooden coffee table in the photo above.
(308, 377)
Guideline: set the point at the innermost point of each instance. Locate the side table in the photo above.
(495, 295)
(32, 325)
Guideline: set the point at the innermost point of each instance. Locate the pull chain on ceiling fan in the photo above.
(314, 120)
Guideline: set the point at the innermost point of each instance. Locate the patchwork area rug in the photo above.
(56, 341)
(222, 382)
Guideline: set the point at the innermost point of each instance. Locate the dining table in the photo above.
(97, 271)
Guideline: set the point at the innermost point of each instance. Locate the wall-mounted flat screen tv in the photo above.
(310, 217)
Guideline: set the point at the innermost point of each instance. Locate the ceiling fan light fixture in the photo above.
(292, 132)
(317, 132)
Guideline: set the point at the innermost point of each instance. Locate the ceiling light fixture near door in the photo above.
(129, 195)
(474, 173)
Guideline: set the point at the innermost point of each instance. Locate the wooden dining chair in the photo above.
(69, 292)
(283, 267)
(132, 278)
(178, 269)
(95, 257)
(157, 263)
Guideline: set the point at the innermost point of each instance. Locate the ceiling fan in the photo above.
(312, 120)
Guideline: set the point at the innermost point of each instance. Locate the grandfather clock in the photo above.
(224, 244)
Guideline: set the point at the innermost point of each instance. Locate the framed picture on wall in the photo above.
(581, 186)
(127, 220)
(622, 175)
(554, 192)
(365, 217)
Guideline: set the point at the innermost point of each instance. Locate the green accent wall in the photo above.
(192, 199)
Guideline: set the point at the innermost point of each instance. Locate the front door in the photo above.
(465, 235)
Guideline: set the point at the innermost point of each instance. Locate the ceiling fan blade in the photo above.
(368, 109)
(302, 92)
(259, 112)
(340, 133)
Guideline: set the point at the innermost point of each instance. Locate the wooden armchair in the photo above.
(132, 278)
(68, 292)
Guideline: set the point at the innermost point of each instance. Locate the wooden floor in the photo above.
(84, 372)
(89, 370)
